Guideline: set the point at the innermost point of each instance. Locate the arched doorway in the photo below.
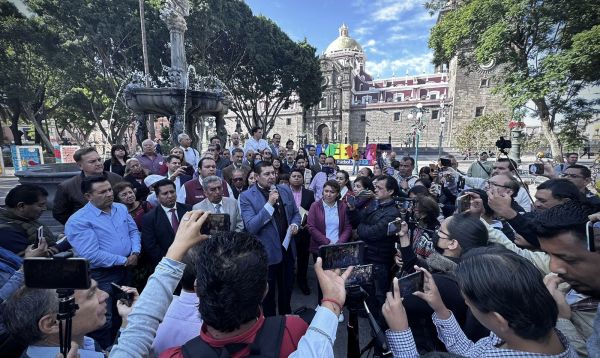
(323, 134)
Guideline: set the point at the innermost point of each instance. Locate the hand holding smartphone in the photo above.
(123, 296)
(411, 283)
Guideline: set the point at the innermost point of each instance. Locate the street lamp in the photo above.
(417, 114)
(443, 110)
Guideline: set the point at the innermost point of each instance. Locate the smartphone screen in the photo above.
(393, 227)
(463, 203)
(71, 273)
(216, 223)
(361, 275)
(536, 169)
(411, 283)
(342, 255)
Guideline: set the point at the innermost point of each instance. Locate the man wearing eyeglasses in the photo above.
(579, 175)
(501, 166)
(237, 158)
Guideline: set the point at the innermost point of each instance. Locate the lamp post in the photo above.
(443, 110)
(417, 113)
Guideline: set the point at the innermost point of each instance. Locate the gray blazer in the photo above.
(229, 206)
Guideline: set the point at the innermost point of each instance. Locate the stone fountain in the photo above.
(178, 100)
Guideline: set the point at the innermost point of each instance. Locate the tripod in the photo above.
(356, 303)
(66, 312)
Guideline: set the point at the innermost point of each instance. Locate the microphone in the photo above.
(274, 188)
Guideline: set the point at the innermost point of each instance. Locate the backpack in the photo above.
(267, 343)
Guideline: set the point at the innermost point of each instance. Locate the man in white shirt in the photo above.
(175, 172)
(255, 142)
(235, 142)
(192, 156)
(216, 203)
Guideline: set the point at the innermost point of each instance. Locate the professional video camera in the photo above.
(64, 274)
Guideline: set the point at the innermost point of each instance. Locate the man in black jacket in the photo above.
(160, 224)
(380, 249)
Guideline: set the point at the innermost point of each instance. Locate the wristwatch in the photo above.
(135, 253)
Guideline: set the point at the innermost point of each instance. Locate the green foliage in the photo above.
(483, 132)
(548, 51)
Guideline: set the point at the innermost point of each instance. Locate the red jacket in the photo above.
(295, 328)
(316, 225)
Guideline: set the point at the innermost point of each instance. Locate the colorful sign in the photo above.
(66, 153)
(26, 156)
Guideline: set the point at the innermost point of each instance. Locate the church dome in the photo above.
(343, 43)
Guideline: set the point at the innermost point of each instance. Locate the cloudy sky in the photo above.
(393, 33)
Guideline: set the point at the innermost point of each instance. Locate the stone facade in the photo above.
(357, 109)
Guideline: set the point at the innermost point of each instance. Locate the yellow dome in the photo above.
(343, 42)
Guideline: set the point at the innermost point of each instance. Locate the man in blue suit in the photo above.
(268, 211)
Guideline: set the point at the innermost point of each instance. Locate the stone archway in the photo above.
(322, 134)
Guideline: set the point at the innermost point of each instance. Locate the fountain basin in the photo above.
(169, 101)
(48, 176)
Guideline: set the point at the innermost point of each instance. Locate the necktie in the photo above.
(174, 220)
(218, 209)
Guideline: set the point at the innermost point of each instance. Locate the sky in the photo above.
(393, 33)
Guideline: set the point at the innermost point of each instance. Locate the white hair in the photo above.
(181, 136)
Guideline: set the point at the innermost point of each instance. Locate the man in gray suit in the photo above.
(216, 203)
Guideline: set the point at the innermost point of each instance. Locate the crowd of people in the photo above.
(504, 274)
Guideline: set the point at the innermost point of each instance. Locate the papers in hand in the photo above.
(288, 238)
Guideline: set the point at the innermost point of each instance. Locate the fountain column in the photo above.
(173, 14)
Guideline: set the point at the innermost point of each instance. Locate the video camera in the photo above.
(503, 144)
(63, 273)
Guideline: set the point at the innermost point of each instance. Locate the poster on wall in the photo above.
(26, 156)
(66, 153)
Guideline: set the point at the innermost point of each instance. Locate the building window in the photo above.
(288, 121)
(363, 117)
(397, 116)
(435, 114)
(366, 99)
(323, 103)
(485, 82)
(398, 97)
(479, 111)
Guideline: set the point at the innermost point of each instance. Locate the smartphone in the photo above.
(123, 296)
(394, 227)
(463, 203)
(351, 201)
(342, 255)
(215, 223)
(361, 275)
(327, 170)
(536, 169)
(57, 273)
(590, 236)
(436, 188)
(411, 283)
(40, 237)
(445, 162)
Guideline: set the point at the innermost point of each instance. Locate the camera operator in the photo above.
(372, 229)
(19, 223)
(505, 166)
(30, 317)
(247, 254)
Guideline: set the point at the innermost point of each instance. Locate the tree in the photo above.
(483, 132)
(548, 50)
(263, 69)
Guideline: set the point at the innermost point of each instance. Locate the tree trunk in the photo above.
(38, 128)
(548, 132)
(14, 126)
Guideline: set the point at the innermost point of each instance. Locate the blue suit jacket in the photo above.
(260, 223)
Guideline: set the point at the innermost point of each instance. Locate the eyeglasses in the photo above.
(237, 179)
(499, 168)
(572, 176)
(446, 235)
(489, 183)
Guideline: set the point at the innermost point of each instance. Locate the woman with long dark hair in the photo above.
(343, 178)
(117, 160)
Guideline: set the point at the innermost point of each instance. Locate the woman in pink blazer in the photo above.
(328, 222)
